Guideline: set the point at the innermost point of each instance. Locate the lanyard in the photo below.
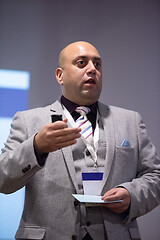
(93, 151)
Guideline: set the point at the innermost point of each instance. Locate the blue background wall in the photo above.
(14, 86)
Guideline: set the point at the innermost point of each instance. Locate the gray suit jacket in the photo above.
(50, 211)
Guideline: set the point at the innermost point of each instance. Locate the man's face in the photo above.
(81, 73)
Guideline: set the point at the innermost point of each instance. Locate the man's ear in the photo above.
(59, 76)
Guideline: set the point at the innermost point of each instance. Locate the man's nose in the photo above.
(91, 68)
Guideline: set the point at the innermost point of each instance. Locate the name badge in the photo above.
(92, 183)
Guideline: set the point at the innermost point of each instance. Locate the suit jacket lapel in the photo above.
(107, 121)
(56, 110)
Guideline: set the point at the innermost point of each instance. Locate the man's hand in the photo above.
(54, 136)
(117, 194)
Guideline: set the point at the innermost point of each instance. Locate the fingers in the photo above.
(117, 194)
(56, 135)
(60, 133)
(61, 129)
(64, 144)
(110, 195)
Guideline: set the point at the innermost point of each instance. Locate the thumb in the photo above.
(65, 120)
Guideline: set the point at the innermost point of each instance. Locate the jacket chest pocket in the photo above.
(125, 154)
(125, 163)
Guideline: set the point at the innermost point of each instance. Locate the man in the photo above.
(49, 158)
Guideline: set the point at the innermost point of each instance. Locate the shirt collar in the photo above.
(71, 106)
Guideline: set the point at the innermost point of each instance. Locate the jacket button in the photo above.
(24, 170)
(88, 223)
(74, 237)
(29, 167)
(76, 203)
(88, 153)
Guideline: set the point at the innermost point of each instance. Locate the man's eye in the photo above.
(97, 64)
(81, 63)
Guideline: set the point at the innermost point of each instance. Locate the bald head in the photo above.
(80, 73)
(71, 48)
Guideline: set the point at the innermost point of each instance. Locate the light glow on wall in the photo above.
(14, 79)
(14, 86)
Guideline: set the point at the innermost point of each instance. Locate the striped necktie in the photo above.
(84, 123)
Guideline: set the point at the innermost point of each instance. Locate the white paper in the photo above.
(92, 183)
(92, 199)
(92, 187)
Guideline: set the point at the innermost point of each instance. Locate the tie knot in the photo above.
(83, 110)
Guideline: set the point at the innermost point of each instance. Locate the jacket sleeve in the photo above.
(18, 162)
(145, 188)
